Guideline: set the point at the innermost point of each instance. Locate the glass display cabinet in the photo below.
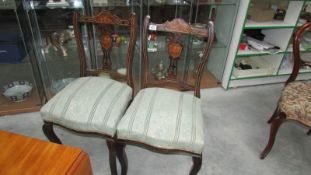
(57, 54)
(197, 12)
(161, 63)
(223, 13)
(56, 49)
(42, 32)
(19, 77)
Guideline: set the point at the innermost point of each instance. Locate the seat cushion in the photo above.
(164, 118)
(89, 104)
(296, 101)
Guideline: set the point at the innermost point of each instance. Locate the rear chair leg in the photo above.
(122, 157)
(197, 162)
(49, 132)
(309, 132)
(112, 157)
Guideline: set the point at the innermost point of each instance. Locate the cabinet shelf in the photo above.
(114, 3)
(167, 2)
(289, 71)
(254, 76)
(268, 24)
(302, 49)
(214, 3)
(275, 32)
(245, 53)
(76, 4)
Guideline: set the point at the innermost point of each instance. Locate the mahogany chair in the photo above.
(93, 104)
(295, 101)
(167, 120)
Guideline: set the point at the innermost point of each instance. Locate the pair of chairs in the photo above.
(165, 120)
(295, 101)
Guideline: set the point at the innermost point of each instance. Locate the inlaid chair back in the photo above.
(295, 100)
(106, 23)
(176, 29)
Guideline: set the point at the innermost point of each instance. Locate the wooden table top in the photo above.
(24, 155)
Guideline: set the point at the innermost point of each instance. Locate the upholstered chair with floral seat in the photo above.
(295, 101)
(92, 104)
(161, 117)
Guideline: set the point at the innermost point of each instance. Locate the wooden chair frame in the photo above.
(177, 26)
(278, 116)
(103, 18)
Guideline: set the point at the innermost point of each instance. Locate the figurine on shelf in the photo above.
(117, 39)
(160, 73)
(55, 3)
(152, 42)
(57, 40)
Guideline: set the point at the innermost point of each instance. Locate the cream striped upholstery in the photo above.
(89, 104)
(164, 118)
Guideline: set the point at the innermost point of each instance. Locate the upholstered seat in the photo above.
(164, 118)
(89, 104)
(296, 101)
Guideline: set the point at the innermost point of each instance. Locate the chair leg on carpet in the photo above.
(122, 157)
(275, 124)
(197, 162)
(275, 114)
(309, 132)
(49, 132)
(112, 157)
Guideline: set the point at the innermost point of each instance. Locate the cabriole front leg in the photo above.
(197, 163)
(48, 131)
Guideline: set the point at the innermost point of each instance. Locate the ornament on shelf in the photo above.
(58, 39)
(152, 42)
(174, 50)
(161, 72)
(54, 3)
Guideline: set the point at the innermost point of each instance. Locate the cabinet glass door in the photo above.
(57, 53)
(161, 66)
(223, 13)
(21, 89)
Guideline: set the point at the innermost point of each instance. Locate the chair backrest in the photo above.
(105, 21)
(298, 62)
(174, 50)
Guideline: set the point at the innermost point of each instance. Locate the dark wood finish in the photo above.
(105, 20)
(275, 124)
(278, 116)
(298, 62)
(197, 163)
(120, 148)
(24, 155)
(275, 114)
(112, 157)
(175, 26)
(178, 25)
(181, 27)
(102, 19)
(174, 51)
(48, 131)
